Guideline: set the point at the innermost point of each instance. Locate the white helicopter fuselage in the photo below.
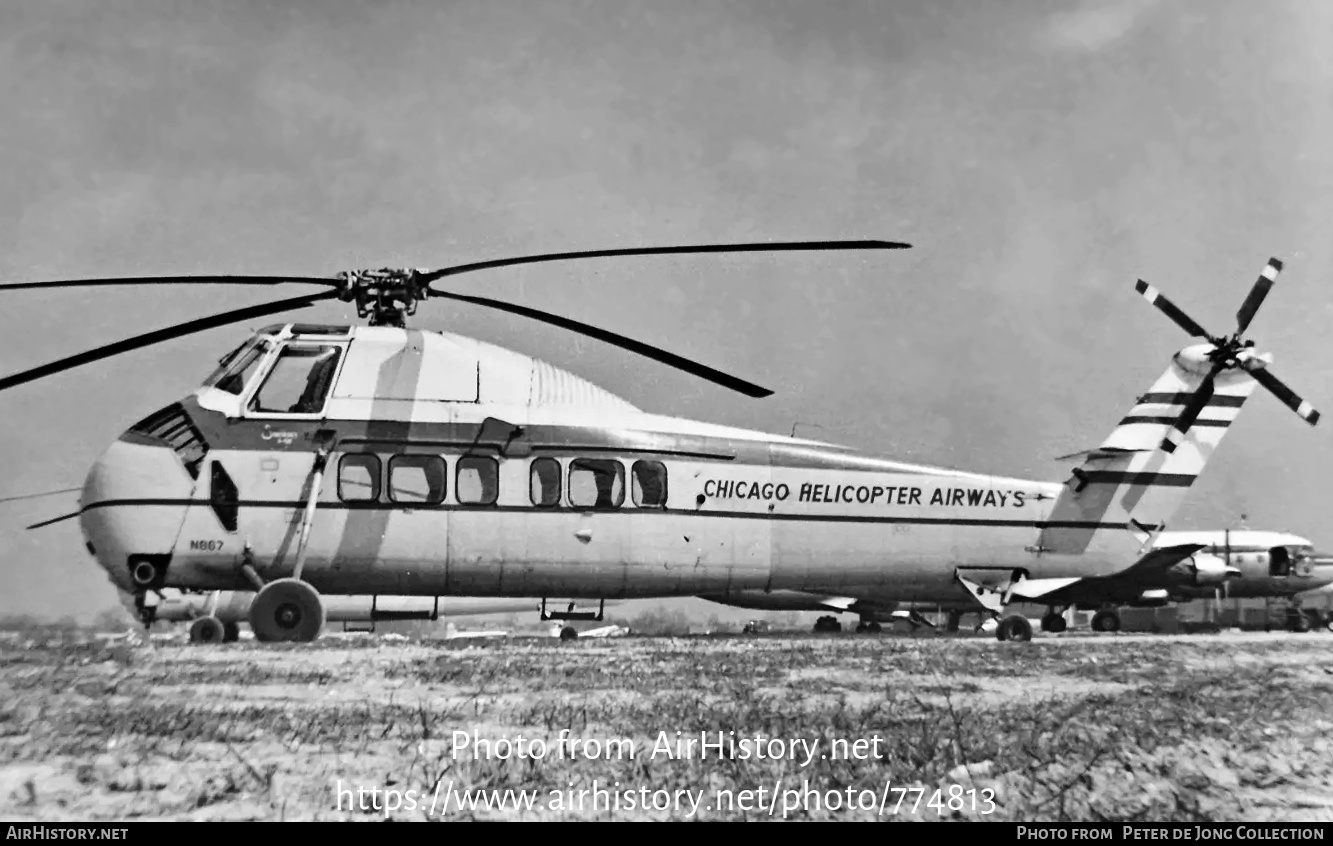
(455, 467)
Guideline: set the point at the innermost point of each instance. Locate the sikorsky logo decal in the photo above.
(864, 494)
(283, 438)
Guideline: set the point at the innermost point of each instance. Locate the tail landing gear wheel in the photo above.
(287, 610)
(569, 633)
(1106, 621)
(207, 630)
(1014, 628)
(231, 632)
(1053, 623)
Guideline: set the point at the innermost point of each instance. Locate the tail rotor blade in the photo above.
(1191, 413)
(1286, 395)
(1262, 286)
(1171, 310)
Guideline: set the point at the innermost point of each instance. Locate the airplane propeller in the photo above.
(1228, 352)
(388, 296)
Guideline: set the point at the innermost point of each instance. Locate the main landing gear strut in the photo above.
(569, 632)
(288, 609)
(1014, 627)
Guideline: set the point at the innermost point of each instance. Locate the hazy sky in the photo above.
(1040, 156)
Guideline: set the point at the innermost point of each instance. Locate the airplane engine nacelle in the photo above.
(1203, 570)
(1152, 599)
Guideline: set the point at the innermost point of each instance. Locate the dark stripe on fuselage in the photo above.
(674, 512)
(1182, 399)
(1218, 424)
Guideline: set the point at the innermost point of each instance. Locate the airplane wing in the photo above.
(1148, 573)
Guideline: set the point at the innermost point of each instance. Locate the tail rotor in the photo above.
(1227, 353)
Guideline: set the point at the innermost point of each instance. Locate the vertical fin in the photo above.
(1125, 491)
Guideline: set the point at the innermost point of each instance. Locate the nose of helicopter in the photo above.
(131, 509)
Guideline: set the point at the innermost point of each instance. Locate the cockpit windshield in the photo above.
(299, 380)
(236, 367)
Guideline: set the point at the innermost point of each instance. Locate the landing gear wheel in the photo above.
(873, 628)
(1053, 623)
(1106, 620)
(827, 624)
(1015, 628)
(1299, 623)
(231, 632)
(954, 618)
(287, 610)
(207, 630)
(569, 633)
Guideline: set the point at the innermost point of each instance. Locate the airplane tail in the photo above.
(1124, 492)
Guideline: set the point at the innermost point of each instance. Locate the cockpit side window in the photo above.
(299, 380)
(236, 368)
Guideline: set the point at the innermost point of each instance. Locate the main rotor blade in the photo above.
(1191, 412)
(166, 334)
(1286, 395)
(779, 246)
(60, 519)
(36, 495)
(643, 349)
(172, 280)
(1183, 320)
(1262, 286)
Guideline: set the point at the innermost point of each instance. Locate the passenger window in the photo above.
(650, 484)
(544, 487)
(478, 480)
(596, 483)
(417, 478)
(299, 381)
(359, 478)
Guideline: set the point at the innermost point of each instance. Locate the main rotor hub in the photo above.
(387, 297)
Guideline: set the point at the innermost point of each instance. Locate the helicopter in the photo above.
(382, 459)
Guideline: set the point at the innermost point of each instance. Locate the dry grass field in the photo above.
(1112, 727)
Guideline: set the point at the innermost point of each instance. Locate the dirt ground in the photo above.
(1073, 727)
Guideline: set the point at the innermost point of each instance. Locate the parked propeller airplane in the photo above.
(462, 468)
(215, 617)
(1234, 564)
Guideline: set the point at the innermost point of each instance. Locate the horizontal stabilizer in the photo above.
(1100, 452)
